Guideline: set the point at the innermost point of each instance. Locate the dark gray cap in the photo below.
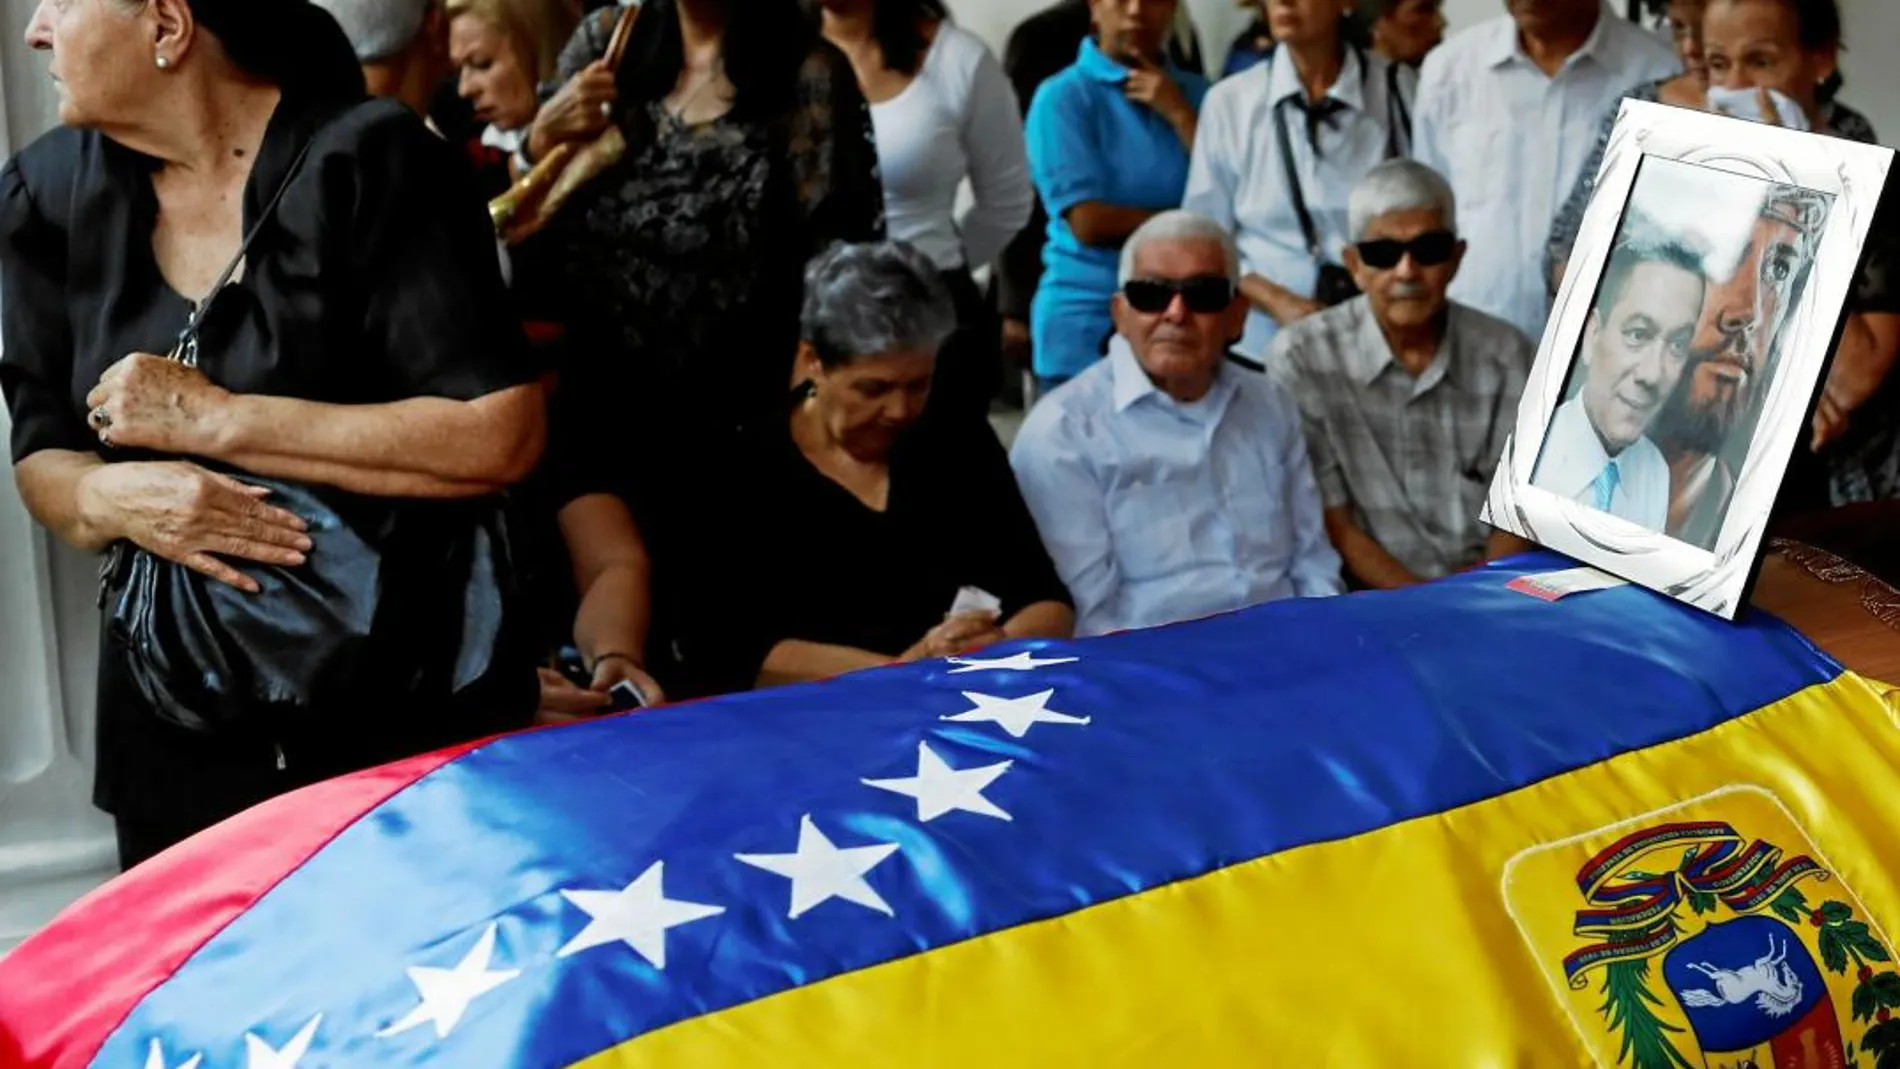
(377, 29)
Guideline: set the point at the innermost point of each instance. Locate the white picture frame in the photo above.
(1663, 142)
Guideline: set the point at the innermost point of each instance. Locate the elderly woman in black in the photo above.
(901, 518)
(360, 345)
(865, 532)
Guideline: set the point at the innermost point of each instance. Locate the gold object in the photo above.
(533, 200)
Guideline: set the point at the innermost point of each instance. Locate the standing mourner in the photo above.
(1108, 148)
(1507, 112)
(361, 358)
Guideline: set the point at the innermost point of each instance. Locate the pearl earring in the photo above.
(163, 63)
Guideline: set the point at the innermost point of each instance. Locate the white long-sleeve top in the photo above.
(957, 118)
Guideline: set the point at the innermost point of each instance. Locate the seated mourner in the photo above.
(1407, 397)
(855, 531)
(1168, 482)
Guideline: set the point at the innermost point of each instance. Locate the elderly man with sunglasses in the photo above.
(1406, 397)
(1168, 481)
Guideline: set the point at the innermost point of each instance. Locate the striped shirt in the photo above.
(1412, 456)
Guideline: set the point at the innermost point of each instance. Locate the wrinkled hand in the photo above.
(149, 402)
(191, 516)
(957, 634)
(577, 111)
(1150, 85)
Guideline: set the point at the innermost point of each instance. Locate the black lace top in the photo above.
(683, 264)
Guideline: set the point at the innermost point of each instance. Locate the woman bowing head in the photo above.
(323, 273)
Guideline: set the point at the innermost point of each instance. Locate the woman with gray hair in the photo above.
(909, 538)
(853, 532)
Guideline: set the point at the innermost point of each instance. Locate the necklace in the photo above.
(713, 73)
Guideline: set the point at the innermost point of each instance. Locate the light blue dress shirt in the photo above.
(1156, 511)
(1511, 140)
(1088, 142)
(1574, 464)
(1238, 179)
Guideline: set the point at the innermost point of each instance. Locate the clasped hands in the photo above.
(959, 633)
(174, 508)
(150, 402)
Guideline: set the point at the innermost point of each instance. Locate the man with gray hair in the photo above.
(403, 46)
(1407, 398)
(1168, 482)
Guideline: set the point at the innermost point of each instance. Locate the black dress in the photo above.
(375, 280)
(820, 566)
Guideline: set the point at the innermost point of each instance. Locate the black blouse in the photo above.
(376, 279)
(823, 567)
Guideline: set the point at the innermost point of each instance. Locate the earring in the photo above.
(163, 63)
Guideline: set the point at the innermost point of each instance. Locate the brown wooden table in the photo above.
(1842, 607)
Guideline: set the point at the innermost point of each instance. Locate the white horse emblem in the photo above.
(1770, 980)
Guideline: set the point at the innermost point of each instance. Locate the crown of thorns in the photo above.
(1803, 209)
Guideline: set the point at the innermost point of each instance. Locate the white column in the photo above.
(53, 845)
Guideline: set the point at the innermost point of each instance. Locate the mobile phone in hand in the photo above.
(624, 696)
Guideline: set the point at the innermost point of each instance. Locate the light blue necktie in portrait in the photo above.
(1604, 487)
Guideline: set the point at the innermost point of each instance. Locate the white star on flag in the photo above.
(1014, 715)
(1015, 662)
(446, 993)
(940, 789)
(820, 871)
(261, 1055)
(155, 1058)
(638, 916)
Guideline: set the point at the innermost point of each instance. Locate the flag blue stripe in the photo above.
(1210, 744)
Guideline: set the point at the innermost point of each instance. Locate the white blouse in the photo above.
(957, 118)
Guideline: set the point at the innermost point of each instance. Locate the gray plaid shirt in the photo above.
(1412, 456)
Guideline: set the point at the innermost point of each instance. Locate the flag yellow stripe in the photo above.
(1396, 948)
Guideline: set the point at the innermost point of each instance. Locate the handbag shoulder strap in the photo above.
(183, 348)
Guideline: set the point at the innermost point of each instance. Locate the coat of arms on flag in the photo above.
(1710, 935)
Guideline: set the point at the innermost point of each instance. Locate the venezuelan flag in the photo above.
(1452, 826)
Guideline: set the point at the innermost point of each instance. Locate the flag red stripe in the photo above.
(63, 991)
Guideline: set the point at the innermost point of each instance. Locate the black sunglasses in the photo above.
(1203, 293)
(1428, 250)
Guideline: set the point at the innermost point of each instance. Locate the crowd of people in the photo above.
(731, 398)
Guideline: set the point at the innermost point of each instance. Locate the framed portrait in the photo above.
(1679, 367)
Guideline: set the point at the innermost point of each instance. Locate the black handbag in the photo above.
(1335, 284)
(400, 605)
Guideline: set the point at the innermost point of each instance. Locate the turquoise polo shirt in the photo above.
(1088, 141)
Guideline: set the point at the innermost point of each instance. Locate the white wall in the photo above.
(1873, 79)
(53, 844)
(1872, 26)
